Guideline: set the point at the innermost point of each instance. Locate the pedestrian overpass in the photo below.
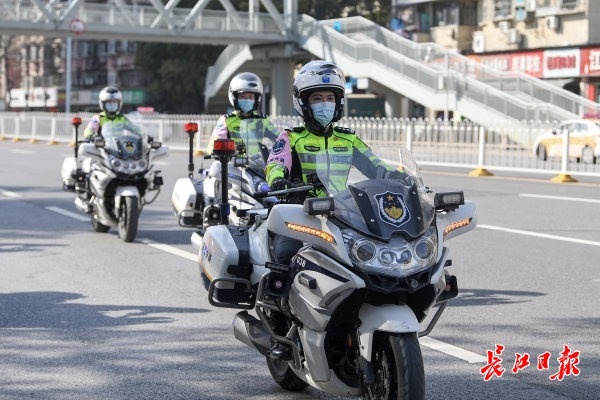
(271, 43)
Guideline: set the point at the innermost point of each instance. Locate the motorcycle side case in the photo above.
(225, 257)
(67, 172)
(188, 201)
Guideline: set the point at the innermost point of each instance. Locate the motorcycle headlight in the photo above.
(397, 258)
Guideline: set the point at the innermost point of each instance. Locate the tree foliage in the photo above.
(177, 73)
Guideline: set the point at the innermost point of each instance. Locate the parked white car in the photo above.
(584, 141)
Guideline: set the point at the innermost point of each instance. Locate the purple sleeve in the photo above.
(219, 132)
(281, 153)
(93, 126)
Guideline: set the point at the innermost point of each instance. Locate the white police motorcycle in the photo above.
(114, 177)
(197, 200)
(345, 316)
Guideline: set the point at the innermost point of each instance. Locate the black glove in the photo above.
(396, 175)
(281, 184)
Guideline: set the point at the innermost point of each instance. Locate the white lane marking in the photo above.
(537, 234)
(69, 214)
(454, 351)
(7, 193)
(28, 152)
(172, 250)
(540, 196)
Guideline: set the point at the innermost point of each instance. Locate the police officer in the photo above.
(111, 102)
(318, 96)
(244, 123)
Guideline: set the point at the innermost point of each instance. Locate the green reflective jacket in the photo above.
(294, 155)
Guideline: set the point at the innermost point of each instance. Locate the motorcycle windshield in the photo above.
(383, 204)
(120, 141)
(256, 146)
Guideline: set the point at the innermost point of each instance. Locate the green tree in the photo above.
(176, 73)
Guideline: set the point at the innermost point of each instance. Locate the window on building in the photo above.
(446, 14)
(568, 3)
(468, 15)
(502, 8)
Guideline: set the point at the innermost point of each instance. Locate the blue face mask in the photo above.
(323, 112)
(246, 105)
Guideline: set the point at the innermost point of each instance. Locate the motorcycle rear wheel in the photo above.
(128, 219)
(399, 372)
(284, 376)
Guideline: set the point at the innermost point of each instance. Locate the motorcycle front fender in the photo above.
(126, 191)
(388, 318)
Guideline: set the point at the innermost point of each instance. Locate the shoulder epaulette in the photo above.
(296, 129)
(341, 129)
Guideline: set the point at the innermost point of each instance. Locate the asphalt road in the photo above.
(84, 315)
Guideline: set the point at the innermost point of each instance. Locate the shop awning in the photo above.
(406, 3)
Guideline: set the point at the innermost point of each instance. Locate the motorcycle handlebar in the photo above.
(294, 189)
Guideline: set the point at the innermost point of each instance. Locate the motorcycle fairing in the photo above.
(382, 208)
(315, 305)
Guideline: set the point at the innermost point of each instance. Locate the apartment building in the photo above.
(554, 40)
(34, 77)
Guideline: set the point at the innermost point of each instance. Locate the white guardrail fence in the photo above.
(452, 144)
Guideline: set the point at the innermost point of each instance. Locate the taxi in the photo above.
(583, 136)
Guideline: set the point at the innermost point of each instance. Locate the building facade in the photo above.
(554, 40)
(33, 72)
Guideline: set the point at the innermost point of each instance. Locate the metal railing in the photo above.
(151, 21)
(452, 144)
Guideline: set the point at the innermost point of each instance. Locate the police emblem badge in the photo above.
(392, 208)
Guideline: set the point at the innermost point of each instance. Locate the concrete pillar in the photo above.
(282, 75)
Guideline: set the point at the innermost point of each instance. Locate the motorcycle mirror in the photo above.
(155, 145)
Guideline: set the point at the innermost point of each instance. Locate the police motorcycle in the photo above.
(114, 176)
(197, 201)
(345, 316)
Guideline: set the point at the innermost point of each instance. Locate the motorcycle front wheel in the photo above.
(398, 364)
(128, 218)
(99, 227)
(284, 376)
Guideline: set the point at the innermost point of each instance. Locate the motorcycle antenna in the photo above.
(191, 128)
(76, 121)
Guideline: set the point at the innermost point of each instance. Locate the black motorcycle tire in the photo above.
(99, 227)
(128, 220)
(399, 372)
(284, 376)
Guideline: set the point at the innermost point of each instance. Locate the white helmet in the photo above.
(245, 82)
(316, 76)
(110, 100)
